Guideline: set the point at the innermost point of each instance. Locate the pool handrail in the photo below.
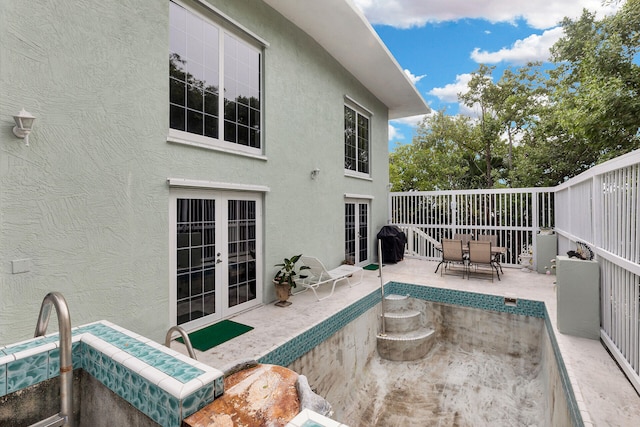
(55, 299)
(185, 337)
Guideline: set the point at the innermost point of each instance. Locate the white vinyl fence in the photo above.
(600, 208)
(513, 215)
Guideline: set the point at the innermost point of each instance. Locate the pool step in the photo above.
(52, 421)
(406, 346)
(394, 303)
(403, 321)
(406, 337)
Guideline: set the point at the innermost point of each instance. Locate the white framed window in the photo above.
(357, 135)
(215, 83)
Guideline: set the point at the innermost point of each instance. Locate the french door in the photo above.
(217, 263)
(356, 227)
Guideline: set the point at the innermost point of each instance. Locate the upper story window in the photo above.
(215, 83)
(356, 141)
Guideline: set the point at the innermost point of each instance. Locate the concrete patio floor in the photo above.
(605, 395)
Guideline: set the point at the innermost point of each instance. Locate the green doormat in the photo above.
(211, 336)
(371, 267)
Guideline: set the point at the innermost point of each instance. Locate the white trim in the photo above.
(195, 183)
(228, 19)
(239, 150)
(359, 175)
(350, 100)
(358, 196)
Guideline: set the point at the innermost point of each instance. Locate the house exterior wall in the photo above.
(86, 204)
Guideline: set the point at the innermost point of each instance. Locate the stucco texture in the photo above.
(86, 204)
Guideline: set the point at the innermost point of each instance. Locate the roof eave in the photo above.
(333, 22)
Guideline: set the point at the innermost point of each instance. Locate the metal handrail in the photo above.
(384, 331)
(185, 337)
(56, 300)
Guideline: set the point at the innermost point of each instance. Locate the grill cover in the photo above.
(393, 243)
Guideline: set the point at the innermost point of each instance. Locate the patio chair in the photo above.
(452, 254)
(488, 238)
(466, 238)
(317, 275)
(494, 242)
(480, 256)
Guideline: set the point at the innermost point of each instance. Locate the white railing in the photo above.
(514, 215)
(600, 207)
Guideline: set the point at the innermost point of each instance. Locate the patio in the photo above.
(606, 395)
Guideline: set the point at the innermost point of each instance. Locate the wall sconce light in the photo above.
(315, 173)
(24, 123)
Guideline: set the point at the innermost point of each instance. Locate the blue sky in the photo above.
(440, 42)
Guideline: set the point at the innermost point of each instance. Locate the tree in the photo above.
(483, 94)
(597, 82)
(435, 158)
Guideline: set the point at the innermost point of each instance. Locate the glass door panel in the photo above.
(242, 251)
(356, 228)
(195, 263)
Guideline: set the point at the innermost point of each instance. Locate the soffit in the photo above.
(341, 29)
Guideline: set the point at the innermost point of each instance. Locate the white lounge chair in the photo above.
(318, 275)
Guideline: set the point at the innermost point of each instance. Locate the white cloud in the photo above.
(533, 48)
(450, 92)
(414, 79)
(412, 122)
(539, 14)
(394, 133)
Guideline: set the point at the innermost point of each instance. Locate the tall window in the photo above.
(215, 82)
(356, 141)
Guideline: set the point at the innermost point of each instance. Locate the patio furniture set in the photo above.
(478, 257)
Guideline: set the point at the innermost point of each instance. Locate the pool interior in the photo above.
(564, 408)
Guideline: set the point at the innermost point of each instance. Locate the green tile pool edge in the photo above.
(166, 409)
(306, 341)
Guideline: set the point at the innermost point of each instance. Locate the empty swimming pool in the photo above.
(493, 363)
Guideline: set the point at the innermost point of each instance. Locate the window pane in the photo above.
(194, 122)
(194, 61)
(229, 131)
(176, 117)
(356, 141)
(211, 126)
(177, 92)
(242, 90)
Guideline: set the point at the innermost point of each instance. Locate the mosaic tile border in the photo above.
(295, 348)
(160, 382)
(523, 307)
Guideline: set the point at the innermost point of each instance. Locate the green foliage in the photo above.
(537, 126)
(287, 273)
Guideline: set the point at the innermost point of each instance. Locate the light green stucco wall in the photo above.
(87, 201)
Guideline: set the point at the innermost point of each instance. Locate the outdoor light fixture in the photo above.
(24, 123)
(315, 173)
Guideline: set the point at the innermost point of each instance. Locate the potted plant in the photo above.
(526, 257)
(285, 279)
